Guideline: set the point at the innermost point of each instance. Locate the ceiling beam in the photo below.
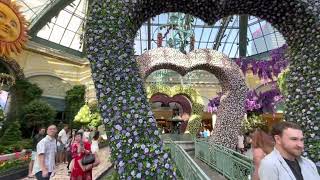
(224, 25)
(243, 42)
(46, 15)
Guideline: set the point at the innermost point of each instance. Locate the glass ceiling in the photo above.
(261, 36)
(32, 8)
(65, 30)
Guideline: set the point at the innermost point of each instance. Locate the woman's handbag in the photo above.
(88, 159)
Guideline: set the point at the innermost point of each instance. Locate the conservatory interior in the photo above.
(170, 85)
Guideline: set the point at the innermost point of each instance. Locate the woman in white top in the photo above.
(95, 143)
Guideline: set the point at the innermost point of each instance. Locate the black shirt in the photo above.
(295, 168)
(37, 138)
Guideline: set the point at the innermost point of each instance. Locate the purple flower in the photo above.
(121, 163)
(121, 170)
(146, 150)
(165, 156)
(130, 141)
(138, 175)
(133, 173)
(148, 165)
(143, 146)
(167, 166)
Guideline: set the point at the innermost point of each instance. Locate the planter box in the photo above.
(14, 173)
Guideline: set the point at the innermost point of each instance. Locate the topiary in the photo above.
(11, 134)
(83, 115)
(194, 124)
(37, 113)
(75, 99)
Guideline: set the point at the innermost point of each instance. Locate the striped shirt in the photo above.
(48, 147)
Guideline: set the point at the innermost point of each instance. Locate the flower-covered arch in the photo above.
(191, 93)
(111, 28)
(180, 99)
(234, 89)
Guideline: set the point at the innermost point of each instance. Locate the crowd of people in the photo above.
(78, 149)
(278, 155)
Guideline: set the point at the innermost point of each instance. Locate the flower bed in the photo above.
(14, 169)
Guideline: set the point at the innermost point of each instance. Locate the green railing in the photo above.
(188, 169)
(231, 164)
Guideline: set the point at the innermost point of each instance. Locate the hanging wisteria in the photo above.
(265, 101)
(266, 69)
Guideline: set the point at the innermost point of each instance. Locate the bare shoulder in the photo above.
(258, 152)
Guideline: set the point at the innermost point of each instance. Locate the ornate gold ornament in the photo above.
(13, 28)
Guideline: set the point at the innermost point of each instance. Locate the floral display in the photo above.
(266, 69)
(254, 122)
(137, 150)
(193, 94)
(111, 27)
(212, 61)
(20, 161)
(266, 101)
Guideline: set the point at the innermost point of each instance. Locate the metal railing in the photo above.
(187, 167)
(231, 164)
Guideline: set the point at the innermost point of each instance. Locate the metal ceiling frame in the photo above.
(54, 8)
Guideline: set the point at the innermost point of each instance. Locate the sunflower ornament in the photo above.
(13, 28)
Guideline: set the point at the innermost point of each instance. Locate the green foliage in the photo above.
(194, 124)
(314, 149)
(37, 113)
(16, 147)
(95, 120)
(26, 91)
(75, 99)
(282, 82)
(11, 134)
(1, 115)
(83, 115)
(22, 92)
(89, 116)
(254, 122)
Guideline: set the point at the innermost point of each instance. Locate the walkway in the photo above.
(62, 172)
(213, 174)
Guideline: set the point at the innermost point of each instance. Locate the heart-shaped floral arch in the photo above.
(192, 94)
(185, 103)
(111, 28)
(231, 110)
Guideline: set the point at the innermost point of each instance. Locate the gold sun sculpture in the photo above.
(13, 28)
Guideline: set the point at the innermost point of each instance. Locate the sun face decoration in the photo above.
(13, 28)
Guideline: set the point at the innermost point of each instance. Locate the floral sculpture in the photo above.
(110, 31)
(228, 73)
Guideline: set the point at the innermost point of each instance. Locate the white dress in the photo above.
(94, 146)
